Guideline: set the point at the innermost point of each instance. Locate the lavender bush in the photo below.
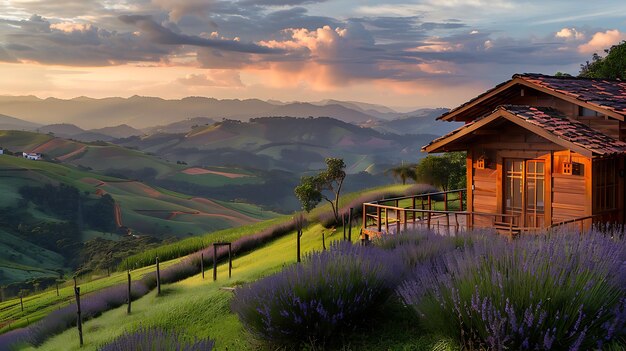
(550, 292)
(327, 295)
(156, 339)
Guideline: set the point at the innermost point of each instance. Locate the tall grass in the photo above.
(323, 214)
(156, 339)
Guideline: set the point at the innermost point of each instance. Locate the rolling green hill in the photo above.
(145, 210)
(105, 158)
(285, 143)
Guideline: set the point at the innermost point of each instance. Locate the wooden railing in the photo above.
(382, 216)
(602, 222)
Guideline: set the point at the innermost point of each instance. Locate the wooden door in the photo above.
(524, 191)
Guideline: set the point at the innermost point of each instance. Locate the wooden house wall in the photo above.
(571, 194)
(566, 197)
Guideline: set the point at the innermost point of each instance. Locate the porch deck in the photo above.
(445, 213)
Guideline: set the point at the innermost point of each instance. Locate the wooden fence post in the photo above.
(299, 235)
(445, 201)
(230, 260)
(350, 225)
(79, 320)
(214, 262)
(461, 200)
(158, 276)
(202, 264)
(129, 293)
(343, 224)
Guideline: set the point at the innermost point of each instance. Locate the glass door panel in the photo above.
(524, 191)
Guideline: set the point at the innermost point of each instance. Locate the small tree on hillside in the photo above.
(403, 172)
(445, 172)
(313, 189)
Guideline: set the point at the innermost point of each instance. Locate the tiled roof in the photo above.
(557, 124)
(605, 93)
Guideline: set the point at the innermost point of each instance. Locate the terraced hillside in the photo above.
(122, 162)
(146, 211)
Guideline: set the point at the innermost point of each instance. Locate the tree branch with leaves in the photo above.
(326, 185)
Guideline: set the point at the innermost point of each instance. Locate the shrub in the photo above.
(544, 292)
(156, 339)
(327, 295)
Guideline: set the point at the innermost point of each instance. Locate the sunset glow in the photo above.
(403, 54)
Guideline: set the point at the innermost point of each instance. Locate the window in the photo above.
(605, 184)
(585, 112)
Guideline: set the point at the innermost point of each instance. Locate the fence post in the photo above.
(158, 276)
(414, 208)
(230, 260)
(79, 321)
(129, 293)
(461, 200)
(214, 262)
(299, 234)
(343, 224)
(350, 225)
(445, 201)
(202, 264)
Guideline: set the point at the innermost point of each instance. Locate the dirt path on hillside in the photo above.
(73, 153)
(199, 171)
(240, 215)
(118, 215)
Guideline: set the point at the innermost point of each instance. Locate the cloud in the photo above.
(179, 8)
(601, 41)
(570, 33)
(217, 78)
(161, 35)
(281, 2)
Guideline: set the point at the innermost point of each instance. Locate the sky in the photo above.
(399, 53)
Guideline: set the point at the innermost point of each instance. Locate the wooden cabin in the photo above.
(542, 150)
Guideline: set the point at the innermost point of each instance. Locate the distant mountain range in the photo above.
(145, 113)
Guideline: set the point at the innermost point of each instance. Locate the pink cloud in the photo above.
(601, 41)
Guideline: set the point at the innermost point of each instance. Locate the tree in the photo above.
(313, 189)
(446, 171)
(403, 172)
(611, 66)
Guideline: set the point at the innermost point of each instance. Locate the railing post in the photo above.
(428, 221)
(429, 203)
(387, 220)
(448, 222)
(405, 220)
(413, 208)
(379, 219)
(445, 201)
(398, 220)
(364, 225)
(461, 200)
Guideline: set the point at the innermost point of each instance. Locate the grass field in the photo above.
(196, 307)
(246, 268)
(147, 210)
